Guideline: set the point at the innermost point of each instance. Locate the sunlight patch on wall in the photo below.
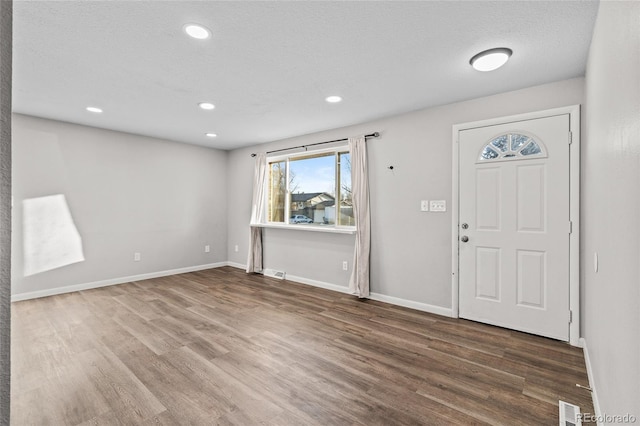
(51, 239)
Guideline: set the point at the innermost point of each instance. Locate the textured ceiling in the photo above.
(269, 64)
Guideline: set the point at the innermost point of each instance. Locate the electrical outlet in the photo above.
(236, 248)
(438, 206)
(207, 248)
(136, 257)
(345, 266)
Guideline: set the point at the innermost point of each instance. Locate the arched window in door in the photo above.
(512, 146)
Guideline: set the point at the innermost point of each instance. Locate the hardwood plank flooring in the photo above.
(220, 347)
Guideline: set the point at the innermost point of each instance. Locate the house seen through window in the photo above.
(311, 189)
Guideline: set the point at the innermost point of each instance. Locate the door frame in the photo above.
(574, 207)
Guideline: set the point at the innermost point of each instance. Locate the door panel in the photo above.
(488, 199)
(532, 282)
(531, 198)
(514, 196)
(488, 273)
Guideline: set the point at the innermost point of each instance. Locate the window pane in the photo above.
(531, 149)
(500, 142)
(517, 141)
(277, 190)
(312, 182)
(488, 154)
(345, 206)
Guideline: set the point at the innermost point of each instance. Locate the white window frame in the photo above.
(335, 228)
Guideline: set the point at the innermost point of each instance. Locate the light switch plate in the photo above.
(424, 205)
(438, 206)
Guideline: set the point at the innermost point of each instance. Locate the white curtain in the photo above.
(359, 282)
(254, 260)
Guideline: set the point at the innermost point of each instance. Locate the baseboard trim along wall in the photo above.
(592, 382)
(419, 306)
(114, 281)
(314, 283)
(237, 265)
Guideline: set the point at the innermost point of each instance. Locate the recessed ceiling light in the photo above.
(333, 99)
(197, 31)
(94, 109)
(210, 135)
(206, 105)
(491, 59)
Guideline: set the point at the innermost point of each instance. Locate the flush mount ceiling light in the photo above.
(206, 105)
(333, 99)
(210, 135)
(491, 59)
(197, 31)
(94, 109)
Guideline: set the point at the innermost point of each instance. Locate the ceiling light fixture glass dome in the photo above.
(197, 31)
(491, 59)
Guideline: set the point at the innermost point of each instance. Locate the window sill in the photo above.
(313, 228)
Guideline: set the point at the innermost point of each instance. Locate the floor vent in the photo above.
(272, 273)
(569, 414)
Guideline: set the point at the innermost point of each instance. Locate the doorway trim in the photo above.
(574, 207)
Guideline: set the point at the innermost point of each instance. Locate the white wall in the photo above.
(611, 208)
(411, 250)
(126, 194)
(6, 12)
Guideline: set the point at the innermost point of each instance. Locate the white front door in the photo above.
(514, 225)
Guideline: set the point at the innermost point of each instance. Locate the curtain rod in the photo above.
(372, 135)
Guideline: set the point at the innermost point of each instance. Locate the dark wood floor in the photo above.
(223, 347)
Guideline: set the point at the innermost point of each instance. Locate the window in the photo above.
(511, 146)
(310, 189)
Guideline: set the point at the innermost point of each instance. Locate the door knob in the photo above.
(464, 239)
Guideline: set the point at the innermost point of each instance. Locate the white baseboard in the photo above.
(419, 306)
(328, 286)
(321, 284)
(114, 281)
(424, 307)
(592, 381)
(237, 265)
